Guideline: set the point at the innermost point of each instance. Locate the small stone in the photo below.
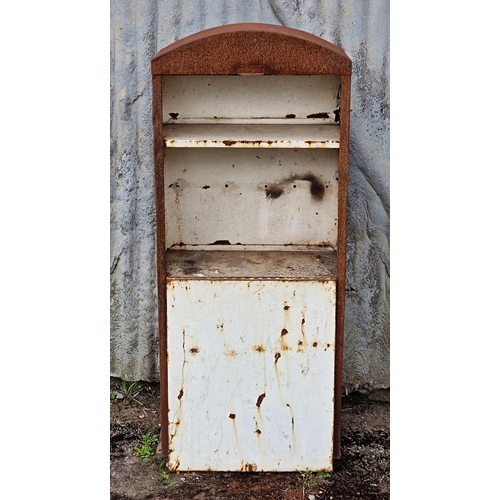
(311, 497)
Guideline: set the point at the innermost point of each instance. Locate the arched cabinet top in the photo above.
(251, 49)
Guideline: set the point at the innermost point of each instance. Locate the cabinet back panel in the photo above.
(259, 197)
(210, 97)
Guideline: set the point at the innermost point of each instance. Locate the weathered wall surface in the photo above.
(139, 28)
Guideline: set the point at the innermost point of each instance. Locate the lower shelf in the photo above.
(313, 264)
(250, 375)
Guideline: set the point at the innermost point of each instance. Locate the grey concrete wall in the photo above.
(139, 28)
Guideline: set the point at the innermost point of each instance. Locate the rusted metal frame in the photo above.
(161, 263)
(251, 48)
(345, 102)
(158, 69)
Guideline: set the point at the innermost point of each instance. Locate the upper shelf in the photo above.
(246, 135)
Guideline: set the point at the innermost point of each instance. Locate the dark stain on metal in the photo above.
(228, 143)
(191, 270)
(284, 331)
(290, 115)
(194, 350)
(174, 115)
(232, 415)
(260, 399)
(319, 115)
(206, 186)
(315, 344)
(276, 357)
(221, 242)
(293, 419)
(336, 114)
(317, 189)
(286, 308)
(258, 431)
(250, 467)
(273, 191)
(181, 393)
(300, 342)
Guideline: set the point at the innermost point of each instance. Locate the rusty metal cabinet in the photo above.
(251, 125)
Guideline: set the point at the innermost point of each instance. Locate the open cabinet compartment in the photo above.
(251, 145)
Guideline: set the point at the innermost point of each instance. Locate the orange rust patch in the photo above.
(259, 348)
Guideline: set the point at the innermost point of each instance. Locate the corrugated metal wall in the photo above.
(139, 28)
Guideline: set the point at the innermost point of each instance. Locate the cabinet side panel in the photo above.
(251, 375)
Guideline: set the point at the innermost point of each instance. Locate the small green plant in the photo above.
(145, 450)
(127, 390)
(323, 476)
(112, 394)
(311, 479)
(307, 479)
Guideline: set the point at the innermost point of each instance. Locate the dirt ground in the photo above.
(137, 473)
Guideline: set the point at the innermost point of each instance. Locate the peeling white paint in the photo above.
(250, 375)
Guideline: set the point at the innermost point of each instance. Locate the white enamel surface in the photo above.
(249, 97)
(252, 136)
(230, 342)
(220, 194)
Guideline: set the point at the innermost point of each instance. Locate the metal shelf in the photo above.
(246, 135)
(319, 264)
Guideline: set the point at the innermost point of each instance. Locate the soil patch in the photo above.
(361, 473)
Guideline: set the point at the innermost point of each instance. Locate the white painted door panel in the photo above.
(250, 375)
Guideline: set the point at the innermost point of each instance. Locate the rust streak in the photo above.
(276, 357)
(181, 393)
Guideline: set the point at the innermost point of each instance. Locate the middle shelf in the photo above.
(181, 135)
